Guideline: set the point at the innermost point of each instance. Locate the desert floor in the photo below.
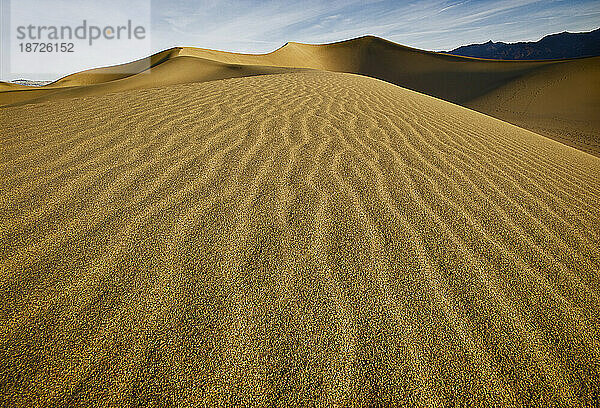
(294, 238)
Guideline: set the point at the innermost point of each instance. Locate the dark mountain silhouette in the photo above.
(562, 45)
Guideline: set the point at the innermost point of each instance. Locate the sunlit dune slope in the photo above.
(489, 86)
(305, 238)
(173, 71)
(9, 86)
(106, 74)
(84, 79)
(441, 75)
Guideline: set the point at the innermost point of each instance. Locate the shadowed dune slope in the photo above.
(563, 95)
(112, 73)
(561, 101)
(173, 71)
(303, 238)
(440, 75)
(31, 94)
(486, 85)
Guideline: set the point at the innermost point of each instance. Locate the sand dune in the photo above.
(84, 78)
(489, 86)
(300, 238)
(106, 74)
(561, 101)
(8, 86)
(173, 71)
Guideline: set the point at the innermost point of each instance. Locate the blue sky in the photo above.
(255, 26)
(259, 26)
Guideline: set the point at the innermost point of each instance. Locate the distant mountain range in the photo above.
(562, 45)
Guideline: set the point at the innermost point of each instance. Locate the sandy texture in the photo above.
(172, 71)
(9, 86)
(516, 91)
(561, 101)
(295, 239)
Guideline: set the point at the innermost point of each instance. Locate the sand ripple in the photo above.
(306, 238)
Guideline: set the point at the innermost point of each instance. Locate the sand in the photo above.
(302, 238)
(559, 99)
(9, 86)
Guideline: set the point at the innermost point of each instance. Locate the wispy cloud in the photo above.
(451, 6)
(430, 24)
(261, 26)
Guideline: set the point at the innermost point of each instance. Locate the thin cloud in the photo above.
(451, 6)
(261, 26)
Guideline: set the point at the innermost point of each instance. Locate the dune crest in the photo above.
(488, 86)
(292, 238)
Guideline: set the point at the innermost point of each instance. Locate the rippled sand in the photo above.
(559, 99)
(304, 238)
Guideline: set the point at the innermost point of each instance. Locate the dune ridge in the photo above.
(293, 239)
(488, 86)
